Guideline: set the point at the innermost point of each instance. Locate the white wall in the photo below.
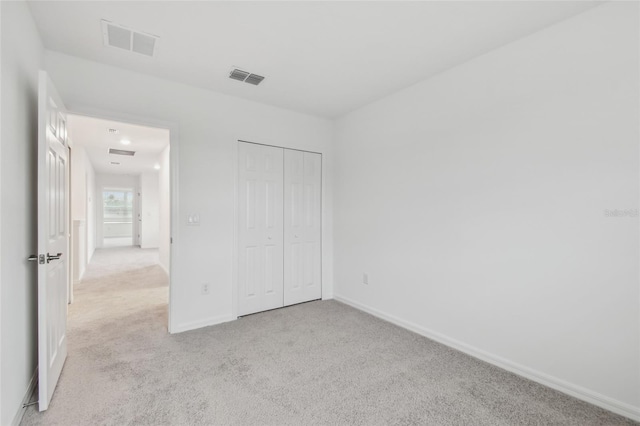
(1, 72)
(209, 125)
(475, 202)
(150, 210)
(79, 162)
(81, 208)
(79, 251)
(110, 181)
(18, 335)
(91, 211)
(164, 206)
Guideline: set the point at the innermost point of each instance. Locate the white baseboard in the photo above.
(79, 280)
(166, 271)
(563, 386)
(193, 325)
(27, 396)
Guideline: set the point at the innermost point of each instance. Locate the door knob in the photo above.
(53, 257)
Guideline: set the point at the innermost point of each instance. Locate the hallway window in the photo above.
(118, 217)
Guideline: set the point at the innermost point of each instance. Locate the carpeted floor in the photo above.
(315, 363)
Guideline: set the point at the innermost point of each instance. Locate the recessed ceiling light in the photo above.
(157, 167)
(125, 142)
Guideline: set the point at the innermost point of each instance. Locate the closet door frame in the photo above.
(235, 265)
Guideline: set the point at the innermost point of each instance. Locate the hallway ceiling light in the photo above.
(125, 142)
(157, 166)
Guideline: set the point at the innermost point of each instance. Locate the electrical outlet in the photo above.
(205, 288)
(365, 279)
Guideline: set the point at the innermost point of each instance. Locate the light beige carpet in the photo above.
(319, 363)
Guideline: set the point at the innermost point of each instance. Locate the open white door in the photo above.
(53, 239)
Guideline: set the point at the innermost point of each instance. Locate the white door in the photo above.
(260, 233)
(302, 226)
(52, 238)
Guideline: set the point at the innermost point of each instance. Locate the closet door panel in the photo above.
(293, 192)
(260, 228)
(313, 225)
(302, 229)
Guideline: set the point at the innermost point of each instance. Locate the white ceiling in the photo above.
(93, 135)
(323, 58)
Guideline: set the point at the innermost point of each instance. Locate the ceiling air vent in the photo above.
(121, 152)
(254, 79)
(124, 38)
(240, 75)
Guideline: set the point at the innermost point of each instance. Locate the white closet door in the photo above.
(260, 233)
(302, 226)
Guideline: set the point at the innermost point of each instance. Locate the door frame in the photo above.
(174, 151)
(70, 235)
(325, 292)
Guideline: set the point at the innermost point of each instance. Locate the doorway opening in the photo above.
(121, 220)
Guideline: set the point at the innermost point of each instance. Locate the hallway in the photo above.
(120, 284)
